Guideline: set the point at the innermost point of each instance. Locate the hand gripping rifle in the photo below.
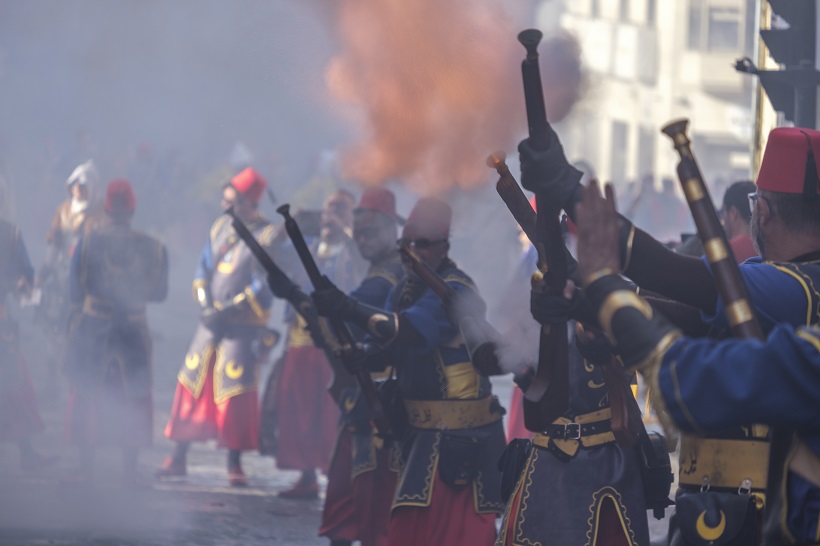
(548, 395)
(346, 343)
(280, 283)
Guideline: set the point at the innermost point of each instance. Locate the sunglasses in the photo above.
(754, 196)
(420, 243)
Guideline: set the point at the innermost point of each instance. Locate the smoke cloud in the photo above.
(432, 85)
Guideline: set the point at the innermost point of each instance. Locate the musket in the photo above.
(548, 395)
(513, 196)
(731, 287)
(725, 270)
(280, 283)
(346, 342)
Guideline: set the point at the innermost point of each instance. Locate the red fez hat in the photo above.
(790, 162)
(430, 218)
(380, 200)
(249, 184)
(119, 198)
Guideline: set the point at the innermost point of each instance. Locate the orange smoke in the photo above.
(436, 87)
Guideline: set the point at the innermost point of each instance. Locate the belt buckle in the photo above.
(572, 431)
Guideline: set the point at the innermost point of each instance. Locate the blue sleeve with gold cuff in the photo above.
(734, 382)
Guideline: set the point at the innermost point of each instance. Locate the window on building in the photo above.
(695, 29)
(651, 12)
(623, 11)
(714, 26)
(724, 29)
(620, 146)
(646, 150)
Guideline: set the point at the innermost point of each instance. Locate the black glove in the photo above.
(211, 319)
(594, 346)
(215, 319)
(550, 308)
(549, 173)
(332, 302)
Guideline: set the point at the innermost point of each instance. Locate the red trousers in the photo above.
(357, 509)
(450, 519)
(234, 422)
(307, 416)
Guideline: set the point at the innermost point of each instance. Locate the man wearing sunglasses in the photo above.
(785, 227)
(449, 487)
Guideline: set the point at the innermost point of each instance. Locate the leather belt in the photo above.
(453, 414)
(564, 436)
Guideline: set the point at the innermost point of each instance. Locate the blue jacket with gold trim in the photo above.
(709, 385)
(437, 368)
(781, 293)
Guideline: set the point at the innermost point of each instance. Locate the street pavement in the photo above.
(52, 508)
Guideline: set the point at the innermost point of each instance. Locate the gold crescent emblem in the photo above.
(710, 533)
(192, 361)
(233, 371)
(350, 403)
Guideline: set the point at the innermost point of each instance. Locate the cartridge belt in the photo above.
(452, 414)
(721, 463)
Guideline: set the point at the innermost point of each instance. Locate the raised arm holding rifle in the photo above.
(581, 458)
(785, 229)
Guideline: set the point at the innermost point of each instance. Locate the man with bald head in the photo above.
(448, 487)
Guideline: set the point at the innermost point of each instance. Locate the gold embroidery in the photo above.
(426, 496)
(598, 499)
